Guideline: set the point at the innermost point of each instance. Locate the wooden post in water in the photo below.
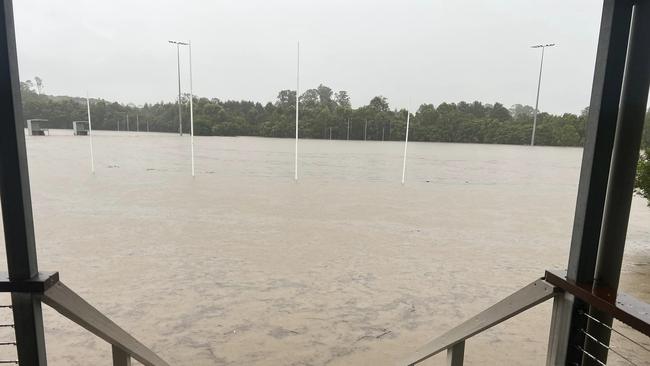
(406, 142)
(348, 128)
(90, 137)
(365, 131)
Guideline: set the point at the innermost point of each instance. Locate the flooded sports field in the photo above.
(241, 265)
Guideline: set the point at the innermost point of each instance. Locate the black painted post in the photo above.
(627, 145)
(567, 323)
(16, 199)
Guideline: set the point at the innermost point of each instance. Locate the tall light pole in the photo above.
(189, 45)
(178, 66)
(180, 120)
(539, 83)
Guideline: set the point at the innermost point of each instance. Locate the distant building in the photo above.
(36, 127)
(80, 128)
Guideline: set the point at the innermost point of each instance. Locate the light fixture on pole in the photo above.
(539, 82)
(180, 121)
(178, 67)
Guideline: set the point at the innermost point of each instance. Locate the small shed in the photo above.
(36, 127)
(80, 128)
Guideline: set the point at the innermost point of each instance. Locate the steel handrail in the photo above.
(75, 308)
(454, 340)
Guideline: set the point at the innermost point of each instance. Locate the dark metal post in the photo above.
(456, 354)
(16, 199)
(120, 358)
(600, 132)
(625, 155)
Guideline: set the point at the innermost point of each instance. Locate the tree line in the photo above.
(642, 183)
(323, 114)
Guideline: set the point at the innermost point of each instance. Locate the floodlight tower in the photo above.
(178, 64)
(539, 82)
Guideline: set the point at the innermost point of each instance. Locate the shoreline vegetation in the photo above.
(322, 111)
(327, 114)
(642, 183)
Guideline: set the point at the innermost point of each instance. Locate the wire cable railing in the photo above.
(614, 331)
(590, 356)
(595, 340)
(590, 338)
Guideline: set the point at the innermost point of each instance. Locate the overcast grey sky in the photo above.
(422, 51)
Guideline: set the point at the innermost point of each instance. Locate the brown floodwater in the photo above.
(243, 266)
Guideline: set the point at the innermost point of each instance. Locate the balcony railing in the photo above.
(622, 307)
(58, 296)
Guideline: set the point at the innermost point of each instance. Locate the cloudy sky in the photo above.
(411, 51)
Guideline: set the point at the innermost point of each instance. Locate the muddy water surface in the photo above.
(243, 266)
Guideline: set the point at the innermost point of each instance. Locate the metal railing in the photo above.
(5, 343)
(593, 339)
(622, 307)
(52, 292)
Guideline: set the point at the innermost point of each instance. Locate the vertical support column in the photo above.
(16, 199)
(559, 333)
(120, 358)
(600, 132)
(599, 141)
(634, 99)
(456, 354)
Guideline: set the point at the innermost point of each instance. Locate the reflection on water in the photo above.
(243, 266)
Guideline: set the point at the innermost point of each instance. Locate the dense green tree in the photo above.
(321, 110)
(379, 104)
(524, 111)
(39, 84)
(286, 98)
(343, 99)
(325, 95)
(500, 113)
(645, 142)
(642, 184)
